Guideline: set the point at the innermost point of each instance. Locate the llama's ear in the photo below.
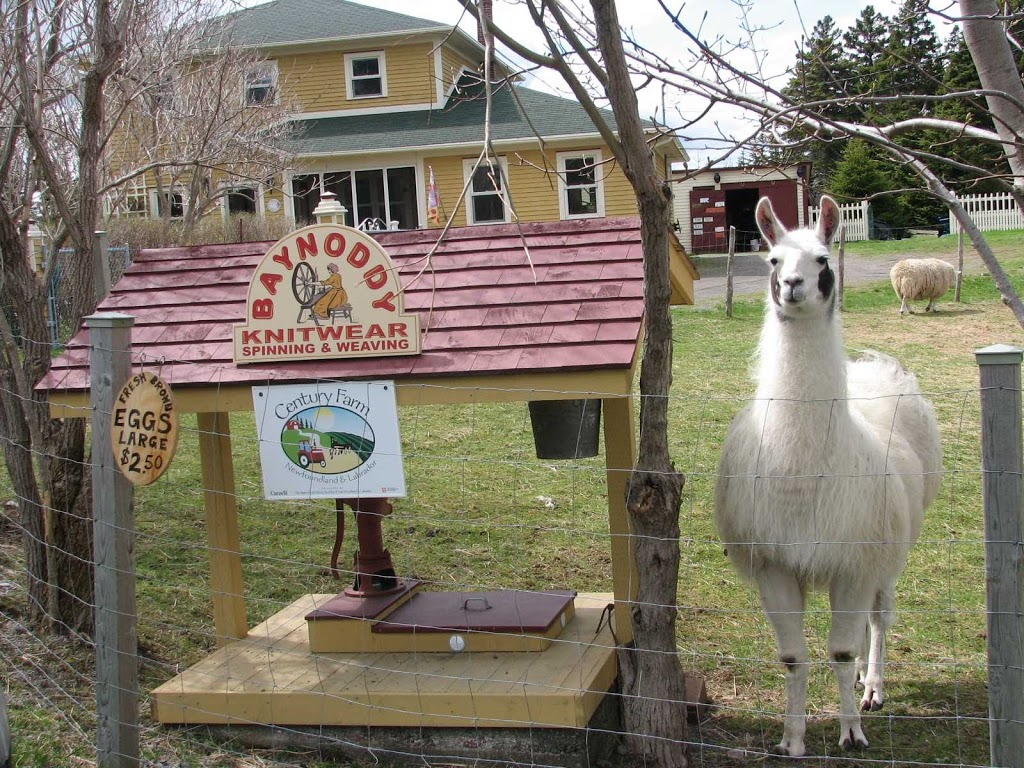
(768, 222)
(829, 219)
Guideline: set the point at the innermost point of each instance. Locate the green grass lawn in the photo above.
(483, 512)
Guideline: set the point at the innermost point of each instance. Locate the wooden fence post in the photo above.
(1003, 492)
(101, 264)
(5, 730)
(730, 264)
(117, 675)
(959, 264)
(841, 267)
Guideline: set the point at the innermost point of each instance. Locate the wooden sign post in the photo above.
(117, 676)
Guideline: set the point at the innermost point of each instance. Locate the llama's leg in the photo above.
(903, 306)
(783, 603)
(930, 306)
(880, 621)
(851, 602)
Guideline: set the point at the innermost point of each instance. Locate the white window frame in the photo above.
(115, 203)
(135, 190)
(564, 187)
(350, 77)
(467, 171)
(269, 70)
(398, 162)
(258, 188)
(154, 202)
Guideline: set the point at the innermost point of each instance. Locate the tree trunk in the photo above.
(45, 457)
(17, 452)
(22, 362)
(997, 70)
(71, 494)
(653, 684)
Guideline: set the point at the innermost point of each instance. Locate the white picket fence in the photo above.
(995, 211)
(855, 220)
(991, 211)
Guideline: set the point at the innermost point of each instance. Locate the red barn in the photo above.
(708, 203)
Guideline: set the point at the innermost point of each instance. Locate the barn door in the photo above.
(707, 221)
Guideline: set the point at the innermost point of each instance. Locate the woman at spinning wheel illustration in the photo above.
(322, 304)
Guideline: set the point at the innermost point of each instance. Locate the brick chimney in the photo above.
(487, 12)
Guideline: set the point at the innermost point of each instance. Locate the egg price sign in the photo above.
(144, 428)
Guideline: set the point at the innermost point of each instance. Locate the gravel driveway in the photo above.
(751, 271)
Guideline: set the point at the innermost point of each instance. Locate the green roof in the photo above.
(460, 122)
(283, 22)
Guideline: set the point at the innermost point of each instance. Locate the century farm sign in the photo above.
(325, 291)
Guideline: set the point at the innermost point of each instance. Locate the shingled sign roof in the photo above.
(483, 309)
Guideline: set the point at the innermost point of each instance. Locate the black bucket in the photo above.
(565, 429)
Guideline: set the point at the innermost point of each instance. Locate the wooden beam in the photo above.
(620, 458)
(441, 390)
(222, 527)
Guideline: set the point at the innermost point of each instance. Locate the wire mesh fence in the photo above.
(61, 291)
(482, 513)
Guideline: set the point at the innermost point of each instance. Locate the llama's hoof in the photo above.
(871, 703)
(873, 698)
(789, 748)
(853, 739)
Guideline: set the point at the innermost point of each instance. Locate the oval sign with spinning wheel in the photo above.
(346, 300)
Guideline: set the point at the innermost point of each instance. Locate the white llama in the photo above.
(824, 478)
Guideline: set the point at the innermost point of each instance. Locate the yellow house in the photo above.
(389, 116)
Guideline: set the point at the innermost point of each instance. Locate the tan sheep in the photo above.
(919, 279)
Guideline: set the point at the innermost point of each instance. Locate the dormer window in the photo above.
(365, 75)
(261, 85)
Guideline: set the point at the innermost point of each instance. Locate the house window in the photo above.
(261, 85)
(581, 185)
(171, 202)
(365, 75)
(486, 201)
(242, 200)
(135, 201)
(374, 198)
(135, 204)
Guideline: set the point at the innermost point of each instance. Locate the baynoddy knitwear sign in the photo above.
(325, 291)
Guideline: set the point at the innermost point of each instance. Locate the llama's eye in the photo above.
(773, 261)
(823, 260)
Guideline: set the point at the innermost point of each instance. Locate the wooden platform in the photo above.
(412, 621)
(271, 677)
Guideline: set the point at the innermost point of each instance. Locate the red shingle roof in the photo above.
(483, 309)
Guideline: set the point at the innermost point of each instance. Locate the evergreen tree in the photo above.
(912, 61)
(960, 75)
(865, 43)
(822, 73)
(862, 173)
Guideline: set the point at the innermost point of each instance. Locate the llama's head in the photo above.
(802, 281)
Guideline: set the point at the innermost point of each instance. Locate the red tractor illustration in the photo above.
(310, 453)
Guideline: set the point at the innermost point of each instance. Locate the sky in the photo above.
(783, 21)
